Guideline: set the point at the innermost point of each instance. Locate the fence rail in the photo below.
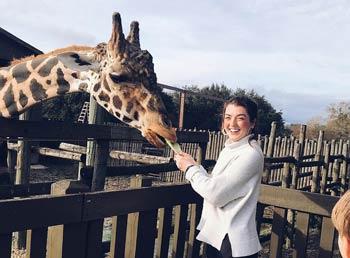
(166, 204)
(82, 214)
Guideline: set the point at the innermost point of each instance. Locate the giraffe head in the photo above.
(118, 74)
(128, 88)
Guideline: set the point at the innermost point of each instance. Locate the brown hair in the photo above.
(341, 215)
(247, 103)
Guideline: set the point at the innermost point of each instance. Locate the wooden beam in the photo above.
(72, 147)
(182, 110)
(122, 155)
(138, 157)
(59, 153)
(297, 200)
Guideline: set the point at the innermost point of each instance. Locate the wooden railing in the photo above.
(82, 214)
(142, 236)
(306, 206)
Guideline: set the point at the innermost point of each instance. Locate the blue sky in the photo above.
(294, 52)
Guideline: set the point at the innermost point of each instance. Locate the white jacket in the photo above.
(230, 195)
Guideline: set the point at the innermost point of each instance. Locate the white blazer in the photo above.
(230, 195)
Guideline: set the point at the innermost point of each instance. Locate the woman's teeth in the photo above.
(234, 130)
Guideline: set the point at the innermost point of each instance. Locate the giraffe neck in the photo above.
(32, 81)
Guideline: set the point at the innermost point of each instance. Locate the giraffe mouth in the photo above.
(159, 140)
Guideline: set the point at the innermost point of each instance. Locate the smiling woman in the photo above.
(237, 122)
(231, 191)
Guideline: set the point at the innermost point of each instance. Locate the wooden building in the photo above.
(12, 47)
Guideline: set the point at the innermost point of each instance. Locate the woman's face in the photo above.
(236, 122)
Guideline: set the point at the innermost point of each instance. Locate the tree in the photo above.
(203, 113)
(65, 108)
(314, 126)
(335, 126)
(339, 119)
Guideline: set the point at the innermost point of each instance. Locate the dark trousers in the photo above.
(225, 250)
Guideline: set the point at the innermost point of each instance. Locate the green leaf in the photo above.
(174, 146)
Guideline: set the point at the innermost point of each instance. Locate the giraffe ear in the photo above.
(78, 62)
(133, 36)
(116, 43)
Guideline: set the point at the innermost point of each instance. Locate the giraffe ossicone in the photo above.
(118, 74)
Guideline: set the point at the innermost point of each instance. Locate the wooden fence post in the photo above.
(57, 234)
(96, 116)
(269, 152)
(344, 168)
(294, 185)
(335, 176)
(286, 179)
(22, 173)
(11, 164)
(315, 186)
(100, 165)
(95, 227)
(296, 168)
(325, 168)
(302, 135)
(133, 233)
(182, 109)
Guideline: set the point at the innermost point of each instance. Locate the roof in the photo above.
(12, 47)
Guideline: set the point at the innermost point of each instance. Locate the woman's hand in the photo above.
(184, 160)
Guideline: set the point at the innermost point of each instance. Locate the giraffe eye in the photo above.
(118, 78)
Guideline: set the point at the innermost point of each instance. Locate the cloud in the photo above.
(285, 49)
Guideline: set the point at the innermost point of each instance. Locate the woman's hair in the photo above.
(341, 215)
(250, 106)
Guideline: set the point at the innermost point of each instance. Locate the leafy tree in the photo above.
(65, 108)
(336, 125)
(313, 127)
(338, 122)
(203, 113)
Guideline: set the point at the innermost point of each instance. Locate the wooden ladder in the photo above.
(84, 112)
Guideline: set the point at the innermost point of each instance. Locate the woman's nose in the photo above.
(233, 122)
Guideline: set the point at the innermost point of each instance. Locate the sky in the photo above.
(293, 52)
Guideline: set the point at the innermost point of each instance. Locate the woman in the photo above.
(231, 191)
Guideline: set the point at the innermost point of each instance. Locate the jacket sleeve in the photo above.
(229, 185)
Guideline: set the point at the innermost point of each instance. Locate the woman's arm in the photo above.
(231, 183)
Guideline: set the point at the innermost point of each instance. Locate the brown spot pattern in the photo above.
(38, 92)
(117, 102)
(104, 97)
(63, 85)
(45, 70)
(97, 87)
(23, 99)
(105, 84)
(20, 72)
(36, 62)
(3, 81)
(129, 107)
(152, 105)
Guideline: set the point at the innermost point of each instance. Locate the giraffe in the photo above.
(118, 74)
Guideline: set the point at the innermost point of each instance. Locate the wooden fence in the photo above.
(82, 214)
(292, 162)
(153, 222)
(299, 163)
